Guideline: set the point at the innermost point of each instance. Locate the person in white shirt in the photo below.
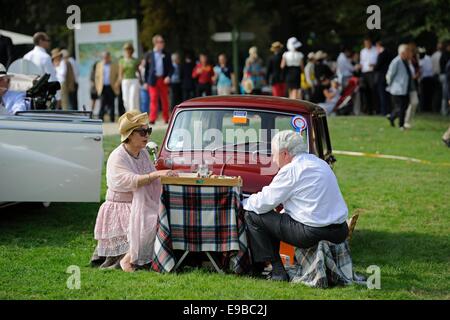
(426, 80)
(292, 63)
(61, 74)
(314, 208)
(42, 59)
(345, 67)
(437, 86)
(11, 102)
(368, 59)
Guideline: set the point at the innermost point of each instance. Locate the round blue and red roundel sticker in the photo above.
(299, 123)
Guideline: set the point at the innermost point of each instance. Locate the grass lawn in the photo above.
(404, 228)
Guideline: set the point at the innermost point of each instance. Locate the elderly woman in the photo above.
(314, 208)
(126, 221)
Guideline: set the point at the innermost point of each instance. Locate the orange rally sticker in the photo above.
(239, 117)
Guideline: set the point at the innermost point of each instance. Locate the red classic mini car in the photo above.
(232, 135)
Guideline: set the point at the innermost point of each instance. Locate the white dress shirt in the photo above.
(368, 57)
(345, 67)
(308, 190)
(42, 59)
(426, 67)
(435, 58)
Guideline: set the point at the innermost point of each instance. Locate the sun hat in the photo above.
(319, 55)
(311, 55)
(128, 46)
(276, 46)
(56, 53)
(293, 44)
(3, 72)
(130, 121)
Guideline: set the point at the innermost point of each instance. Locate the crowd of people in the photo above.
(371, 78)
(375, 79)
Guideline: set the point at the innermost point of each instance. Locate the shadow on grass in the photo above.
(31, 225)
(398, 248)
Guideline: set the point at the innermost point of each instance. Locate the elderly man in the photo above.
(400, 82)
(10, 101)
(314, 208)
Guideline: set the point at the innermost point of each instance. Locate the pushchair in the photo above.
(344, 106)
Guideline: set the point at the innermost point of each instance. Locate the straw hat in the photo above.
(130, 121)
(277, 45)
(56, 53)
(128, 46)
(319, 55)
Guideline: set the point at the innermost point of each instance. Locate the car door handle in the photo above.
(96, 138)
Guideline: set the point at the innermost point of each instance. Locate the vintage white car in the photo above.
(48, 156)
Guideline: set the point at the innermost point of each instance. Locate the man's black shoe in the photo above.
(391, 120)
(279, 277)
(447, 142)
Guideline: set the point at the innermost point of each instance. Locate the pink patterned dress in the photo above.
(126, 221)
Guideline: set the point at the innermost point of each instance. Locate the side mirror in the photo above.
(152, 148)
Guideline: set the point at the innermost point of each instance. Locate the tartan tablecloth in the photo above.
(198, 219)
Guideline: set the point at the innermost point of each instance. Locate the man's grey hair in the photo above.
(291, 141)
(402, 48)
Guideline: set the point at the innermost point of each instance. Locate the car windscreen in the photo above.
(237, 129)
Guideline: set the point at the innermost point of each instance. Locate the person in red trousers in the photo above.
(158, 70)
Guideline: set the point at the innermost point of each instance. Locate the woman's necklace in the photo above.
(135, 157)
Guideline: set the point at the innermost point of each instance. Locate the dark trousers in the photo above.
(426, 94)
(188, 93)
(368, 93)
(107, 103)
(175, 95)
(383, 95)
(265, 231)
(203, 89)
(399, 106)
(120, 105)
(437, 94)
(73, 98)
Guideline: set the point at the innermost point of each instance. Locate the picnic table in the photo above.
(201, 215)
